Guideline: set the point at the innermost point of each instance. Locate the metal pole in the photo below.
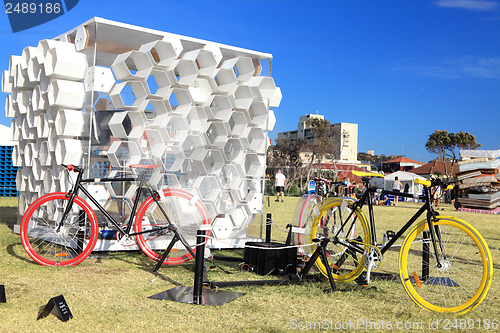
(198, 268)
(268, 228)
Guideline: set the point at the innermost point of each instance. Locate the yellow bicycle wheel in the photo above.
(462, 281)
(337, 218)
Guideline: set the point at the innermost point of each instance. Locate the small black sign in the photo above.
(58, 307)
(2, 294)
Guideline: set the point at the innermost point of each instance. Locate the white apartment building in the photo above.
(344, 134)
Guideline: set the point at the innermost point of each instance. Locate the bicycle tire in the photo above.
(71, 244)
(304, 215)
(462, 282)
(178, 204)
(344, 264)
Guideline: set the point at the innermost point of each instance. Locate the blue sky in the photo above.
(400, 69)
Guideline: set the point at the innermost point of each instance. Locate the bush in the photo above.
(294, 191)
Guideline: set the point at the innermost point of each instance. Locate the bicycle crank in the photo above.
(372, 259)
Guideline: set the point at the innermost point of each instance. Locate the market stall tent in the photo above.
(406, 178)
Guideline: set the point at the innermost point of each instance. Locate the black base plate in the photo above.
(184, 294)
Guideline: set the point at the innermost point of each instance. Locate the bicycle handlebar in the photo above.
(425, 182)
(72, 167)
(435, 182)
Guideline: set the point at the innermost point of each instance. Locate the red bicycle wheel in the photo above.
(183, 210)
(52, 242)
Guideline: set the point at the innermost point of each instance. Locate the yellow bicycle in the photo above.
(445, 264)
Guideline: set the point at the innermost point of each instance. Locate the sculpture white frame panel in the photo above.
(108, 94)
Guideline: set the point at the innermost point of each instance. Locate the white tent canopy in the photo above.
(406, 178)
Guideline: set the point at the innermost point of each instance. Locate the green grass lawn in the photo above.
(108, 292)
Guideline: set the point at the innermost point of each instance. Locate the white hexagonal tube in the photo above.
(66, 94)
(121, 154)
(127, 125)
(162, 52)
(132, 65)
(185, 70)
(69, 123)
(35, 70)
(173, 158)
(130, 95)
(155, 142)
(7, 82)
(242, 66)
(157, 113)
(275, 101)
(197, 119)
(13, 62)
(225, 80)
(45, 45)
(240, 216)
(271, 120)
(233, 149)
(254, 165)
(262, 86)
(237, 123)
(21, 80)
(28, 52)
(176, 129)
(64, 63)
(200, 90)
(220, 108)
(159, 84)
(208, 187)
(258, 113)
(217, 134)
(68, 151)
(192, 142)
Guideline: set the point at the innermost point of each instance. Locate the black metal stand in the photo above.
(199, 268)
(320, 252)
(196, 294)
(177, 237)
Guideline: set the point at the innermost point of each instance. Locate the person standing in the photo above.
(396, 187)
(279, 183)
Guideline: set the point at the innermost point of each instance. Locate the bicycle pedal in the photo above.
(361, 280)
(390, 234)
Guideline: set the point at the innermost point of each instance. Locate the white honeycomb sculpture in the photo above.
(92, 97)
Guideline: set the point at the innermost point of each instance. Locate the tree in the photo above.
(444, 144)
(285, 154)
(322, 143)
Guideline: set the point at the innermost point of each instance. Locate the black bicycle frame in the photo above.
(79, 187)
(367, 197)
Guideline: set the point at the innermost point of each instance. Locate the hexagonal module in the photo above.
(66, 94)
(161, 52)
(159, 84)
(132, 65)
(127, 125)
(65, 63)
(129, 95)
(121, 154)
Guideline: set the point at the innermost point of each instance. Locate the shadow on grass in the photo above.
(144, 263)
(11, 250)
(8, 216)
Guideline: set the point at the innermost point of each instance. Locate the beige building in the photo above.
(345, 136)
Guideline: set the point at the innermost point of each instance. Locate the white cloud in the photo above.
(464, 67)
(477, 5)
